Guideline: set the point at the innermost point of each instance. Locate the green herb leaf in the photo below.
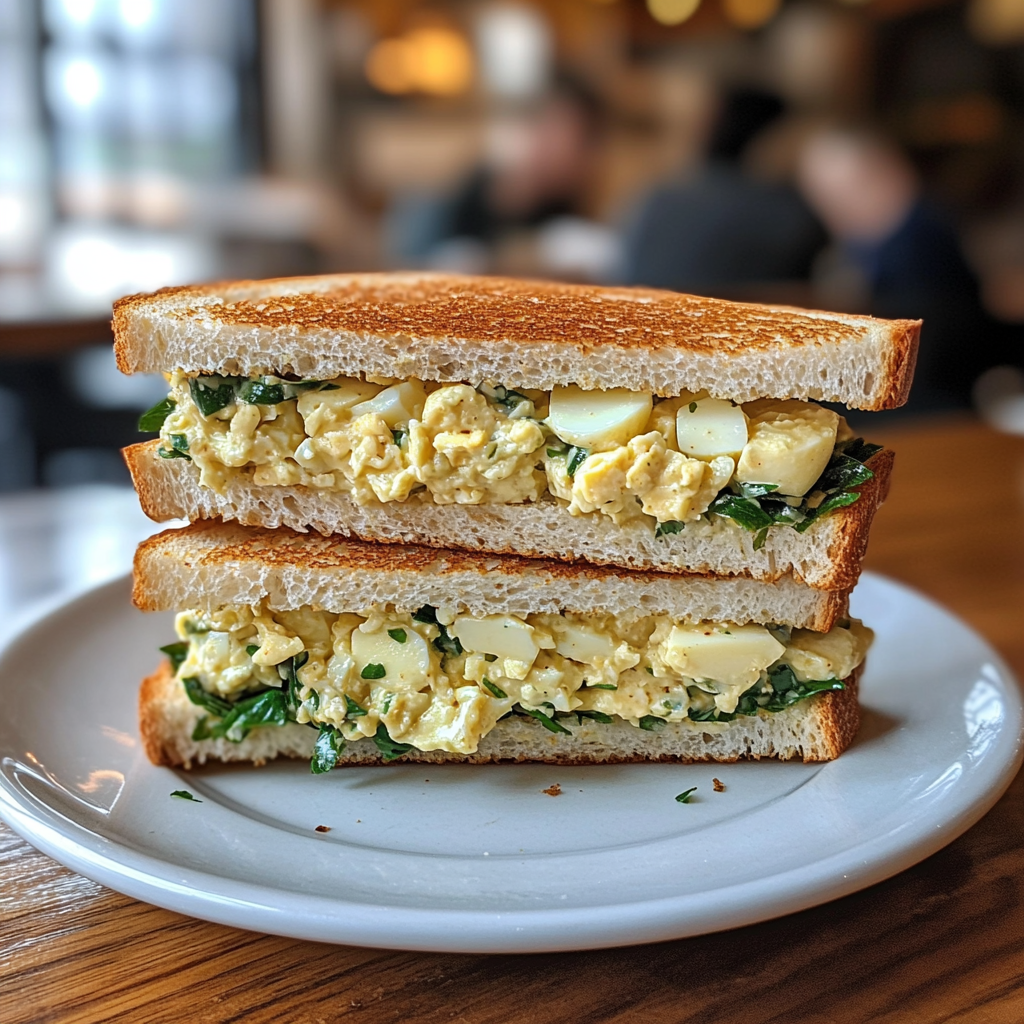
(251, 649)
(352, 709)
(256, 392)
(597, 716)
(684, 797)
(398, 635)
(549, 723)
(328, 747)
(602, 686)
(399, 435)
(152, 420)
(179, 442)
(490, 657)
(173, 453)
(496, 690)
(671, 526)
(204, 699)
(210, 397)
(373, 671)
(390, 750)
(184, 794)
(692, 407)
(447, 644)
(555, 453)
(754, 490)
(652, 723)
(267, 708)
(649, 670)
(176, 654)
(744, 511)
(574, 460)
(427, 614)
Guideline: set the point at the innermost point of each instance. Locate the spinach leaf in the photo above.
(447, 644)
(179, 442)
(352, 709)
(267, 708)
(652, 723)
(597, 716)
(390, 750)
(671, 526)
(427, 614)
(744, 511)
(684, 797)
(210, 398)
(257, 392)
(184, 794)
(293, 686)
(173, 453)
(496, 690)
(206, 700)
(153, 419)
(176, 654)
(574, 460)
(329, 745)
(546, 720)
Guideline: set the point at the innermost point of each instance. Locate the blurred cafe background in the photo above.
(860, 155)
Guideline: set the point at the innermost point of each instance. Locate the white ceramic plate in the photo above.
(480, 859)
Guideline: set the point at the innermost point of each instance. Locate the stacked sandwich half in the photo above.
(448, 518)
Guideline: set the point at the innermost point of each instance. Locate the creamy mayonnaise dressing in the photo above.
(616, 452)
(441, 680)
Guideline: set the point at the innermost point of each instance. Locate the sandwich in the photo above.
(345, 652)
(628, 427)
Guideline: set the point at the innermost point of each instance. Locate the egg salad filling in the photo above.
(436, 679)
(618, 453)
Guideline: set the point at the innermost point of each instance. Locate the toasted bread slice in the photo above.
(532, 334)
(210, 565)
(826, 557)
(819, 728)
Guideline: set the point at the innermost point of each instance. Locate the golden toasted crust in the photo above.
(212, 564)
(439, 311)
(157, 741)
(847, 551)
(166, 742)
(836, 566)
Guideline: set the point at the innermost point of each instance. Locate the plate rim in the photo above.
(220, 899)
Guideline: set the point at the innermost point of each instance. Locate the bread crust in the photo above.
(824, 726)
(520, 333)
(212, 564)
(826, 557)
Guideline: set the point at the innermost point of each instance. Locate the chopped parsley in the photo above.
(373, 671)
(398, 635)
(684, 797)
(184, 794)
(497, 691)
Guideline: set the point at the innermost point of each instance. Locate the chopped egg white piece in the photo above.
(397, 404)
(402, 653)
(505, 636)
(598, 419)
(707, 428)
(790, 445)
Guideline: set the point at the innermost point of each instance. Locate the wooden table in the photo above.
(943, 941)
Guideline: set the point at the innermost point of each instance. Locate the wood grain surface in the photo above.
(942, 942)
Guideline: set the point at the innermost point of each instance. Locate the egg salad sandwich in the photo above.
(628, 427)
(347, 652)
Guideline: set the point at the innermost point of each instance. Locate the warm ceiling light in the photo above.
(750, 14)
(389, 67)
(437, 61)
(672, 12)
(441, 61)
(997, 22)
